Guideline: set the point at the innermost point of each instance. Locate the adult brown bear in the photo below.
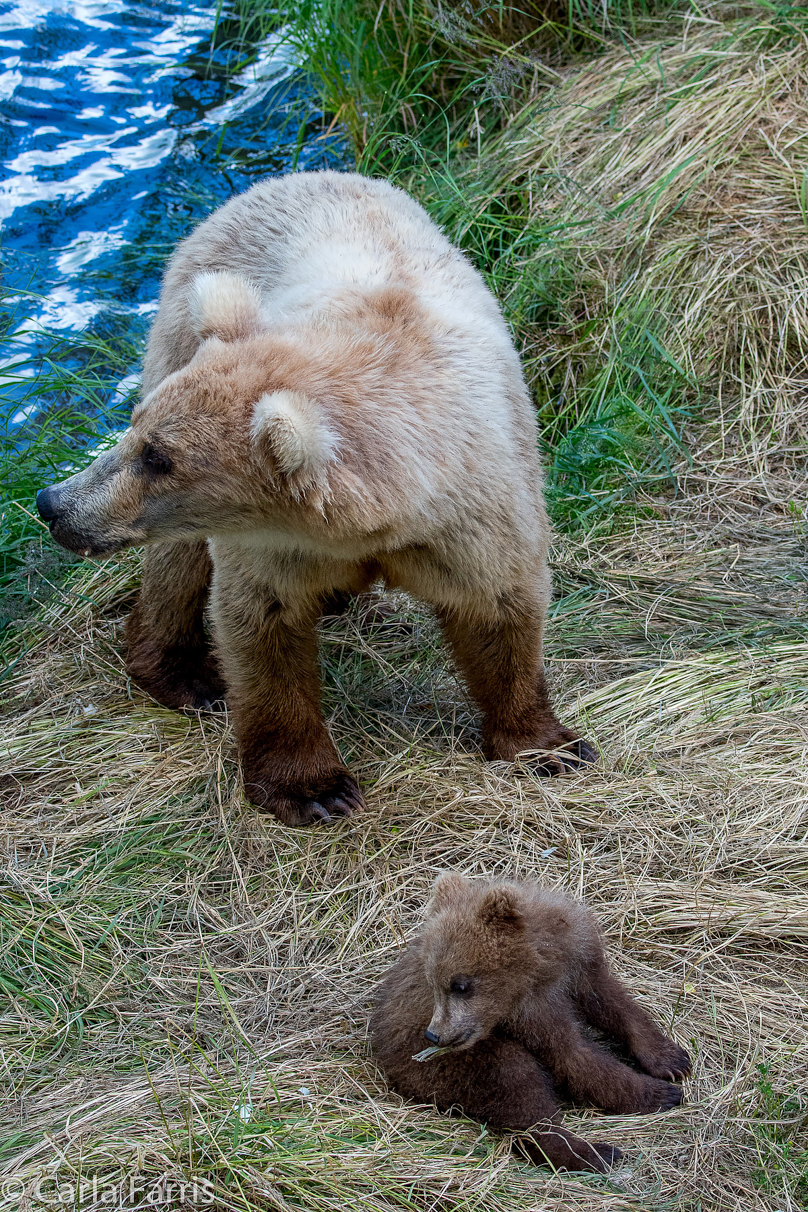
(330, 396)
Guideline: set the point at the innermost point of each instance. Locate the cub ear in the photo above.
(226, 306)
(499, 909)
(290, 431)
(448, 889)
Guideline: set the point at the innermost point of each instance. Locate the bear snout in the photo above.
(46, 504)
(61, 519)
(432, 1036)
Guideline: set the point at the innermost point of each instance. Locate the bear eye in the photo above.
(461, 986)
(155, 461)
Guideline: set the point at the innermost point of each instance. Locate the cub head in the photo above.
(477, 958)
(216, 448)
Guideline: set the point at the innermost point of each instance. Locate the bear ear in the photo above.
(226, 306)
(499, 909)
(448, 889)
(290, 432)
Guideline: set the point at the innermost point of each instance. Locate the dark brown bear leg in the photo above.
(500, 658)
(501, 1084)
(608, 1005)
(589, 1072)
(269, 653)
(168, 653)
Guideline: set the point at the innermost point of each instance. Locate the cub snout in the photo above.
(452, 1035)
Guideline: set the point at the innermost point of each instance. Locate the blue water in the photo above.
(121, 125)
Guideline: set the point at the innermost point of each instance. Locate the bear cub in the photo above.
(510, 977)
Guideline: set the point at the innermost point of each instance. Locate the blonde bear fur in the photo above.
(330, 396)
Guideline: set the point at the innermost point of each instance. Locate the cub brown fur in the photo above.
(330, 396)
(511, 977)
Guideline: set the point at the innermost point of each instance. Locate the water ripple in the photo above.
(120, 126)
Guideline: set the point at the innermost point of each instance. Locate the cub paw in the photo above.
(610, 1153)
(668, 1061)
(563, 1151)
(334, 795)
(658, 1096)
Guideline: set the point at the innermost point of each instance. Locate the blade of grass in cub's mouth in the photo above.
(433, 1051)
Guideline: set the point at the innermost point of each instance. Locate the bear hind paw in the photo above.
(182, 678)
(564, 1151)
(555, 751)
(610, 1153)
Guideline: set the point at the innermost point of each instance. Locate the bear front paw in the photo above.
(565, 758)
(668, 1061)
(317, 802)
(657, 1096)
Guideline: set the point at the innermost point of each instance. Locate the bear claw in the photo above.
(671, 1063)
(661, 1096)
(198, 703)
(339, 796)
(588, 754)
(339, 806)
(565, 758)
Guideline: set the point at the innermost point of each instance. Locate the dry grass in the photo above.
(670, 175)
(189, 982)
